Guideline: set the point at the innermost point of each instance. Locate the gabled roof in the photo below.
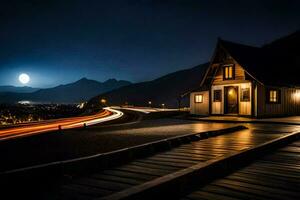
(275, 64)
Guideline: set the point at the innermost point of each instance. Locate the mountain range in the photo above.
(10, 88)
(81, 90)
(164, 90)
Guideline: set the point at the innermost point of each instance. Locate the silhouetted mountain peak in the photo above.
(22, 89)
(78, 91)
(111, 80)
(83, 80)
(163, 90)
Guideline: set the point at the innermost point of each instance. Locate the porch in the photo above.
(291, 120)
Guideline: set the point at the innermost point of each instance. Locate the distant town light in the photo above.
(24, 102)
(103, 101)
(81, 105)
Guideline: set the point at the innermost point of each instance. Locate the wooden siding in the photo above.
(259, 108)
(199, 108)
(244, 107)
(290, 103)
(217, 108)
(239, 75)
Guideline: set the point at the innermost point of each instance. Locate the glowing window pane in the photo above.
(228, 72)
(198, 98)
(273, 96)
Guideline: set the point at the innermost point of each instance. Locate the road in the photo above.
(141, 172)
(52, 125)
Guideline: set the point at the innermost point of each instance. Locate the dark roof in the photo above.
(275, 64)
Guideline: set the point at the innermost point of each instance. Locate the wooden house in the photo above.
(251, 81)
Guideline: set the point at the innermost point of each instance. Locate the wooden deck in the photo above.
(275, 176)
(110, 181)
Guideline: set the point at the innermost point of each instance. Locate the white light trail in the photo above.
(116, 114)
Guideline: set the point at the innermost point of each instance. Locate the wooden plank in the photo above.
(288, 165)
(273, 177)
(263, 181)
(143, 170)
(230, 192)
(202, 148)
(263, 190)
(156, 166)
(210, 196)
(107, 185)
(181, 158)
(130, 181)
(173, 160)
(251, 191)
(200, 157)
(211, 153)
(84, 190)
(283, 168)
(267, 176)
(291, 149)
(166, 163)
(272, 173)
(126, 174)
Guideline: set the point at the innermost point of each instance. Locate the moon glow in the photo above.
(24, 78)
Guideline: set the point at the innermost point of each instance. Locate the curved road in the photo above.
(74, 122)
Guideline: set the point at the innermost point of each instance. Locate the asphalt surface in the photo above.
(51, 125)
(68, 144)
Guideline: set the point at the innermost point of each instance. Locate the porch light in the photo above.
(297, 95)
(230, 92)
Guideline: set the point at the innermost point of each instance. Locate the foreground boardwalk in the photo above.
(275, 176)
(75, 143)
(107, 182)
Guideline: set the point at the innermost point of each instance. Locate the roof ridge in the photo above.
(236, 43)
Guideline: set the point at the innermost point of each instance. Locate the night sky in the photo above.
(58, 42)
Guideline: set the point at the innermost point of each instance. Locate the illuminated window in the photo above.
(199, 98)
(273, 96)
(217, 95)
(245, 94)
(228, 72)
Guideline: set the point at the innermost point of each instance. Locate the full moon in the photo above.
(24, 78)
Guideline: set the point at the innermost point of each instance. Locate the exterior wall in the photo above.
(290, 103)
(261, 100)
(239, 74)
(257, 106)
(199, 108)
(218, 107)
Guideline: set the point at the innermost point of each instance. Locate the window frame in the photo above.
(195, 98)
(278, 96)
(232, 73)
(214, 95)
(242, 96)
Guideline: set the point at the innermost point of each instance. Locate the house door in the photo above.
(231, 100)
